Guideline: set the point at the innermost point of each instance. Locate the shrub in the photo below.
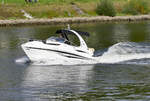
(106, 7)
(135, 7)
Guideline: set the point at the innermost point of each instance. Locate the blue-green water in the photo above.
(109, 82)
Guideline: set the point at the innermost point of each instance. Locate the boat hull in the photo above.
(40, 53)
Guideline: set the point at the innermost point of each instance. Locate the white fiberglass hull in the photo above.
(40, 53)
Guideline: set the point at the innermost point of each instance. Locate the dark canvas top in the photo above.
(70, 32)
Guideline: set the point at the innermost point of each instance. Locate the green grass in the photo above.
(57, 1)
(49, 1)
(11, 9)
(135, 7)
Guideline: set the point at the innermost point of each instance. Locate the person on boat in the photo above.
(62, 39)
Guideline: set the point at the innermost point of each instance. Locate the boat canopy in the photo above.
(70, 32)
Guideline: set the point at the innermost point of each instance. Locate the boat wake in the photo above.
(120, 53)
(126, 52)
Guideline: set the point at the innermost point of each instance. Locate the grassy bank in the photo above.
(11, 9)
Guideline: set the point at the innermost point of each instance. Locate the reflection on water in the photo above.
(102, 82)
(121, 33)
(79, 83)
(141, 33)
(51, 80)
(102, 35)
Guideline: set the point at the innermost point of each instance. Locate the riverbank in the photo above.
(50, 9)
(58, 21)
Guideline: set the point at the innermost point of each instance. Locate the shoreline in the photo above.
(71, 20)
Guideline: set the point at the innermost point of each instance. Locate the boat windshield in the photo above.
(56, 39)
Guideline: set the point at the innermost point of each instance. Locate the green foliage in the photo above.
(135, 7)
(106, 7)
(47, 1)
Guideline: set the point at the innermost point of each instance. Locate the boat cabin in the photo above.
(63, 36)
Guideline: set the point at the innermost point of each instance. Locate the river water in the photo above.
(125, 81)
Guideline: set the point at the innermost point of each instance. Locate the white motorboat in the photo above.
(59, 50)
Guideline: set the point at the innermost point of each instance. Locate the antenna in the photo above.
(68, 26)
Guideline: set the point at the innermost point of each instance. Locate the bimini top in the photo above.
(70, 32)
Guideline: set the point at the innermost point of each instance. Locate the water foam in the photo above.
(124, 51)
(124, 48)
(22, 60)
